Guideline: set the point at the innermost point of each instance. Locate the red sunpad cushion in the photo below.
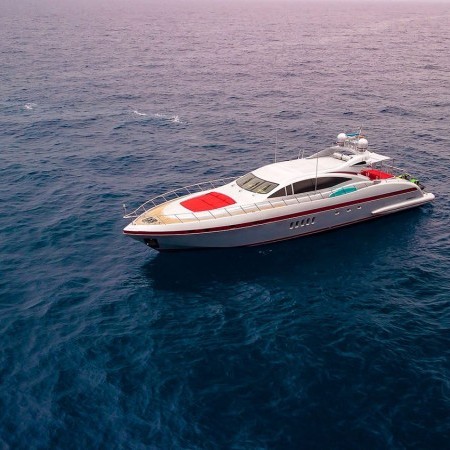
(374, 174)
(206, 202)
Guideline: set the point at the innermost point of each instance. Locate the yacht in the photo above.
(341, 185)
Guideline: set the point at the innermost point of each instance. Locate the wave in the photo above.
(161, 117)
(139, 113)
(169, 118)
(29, 106)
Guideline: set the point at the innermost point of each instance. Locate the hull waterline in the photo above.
(276, 229)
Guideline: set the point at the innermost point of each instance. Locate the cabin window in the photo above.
(304, 186)
(322, 183)
(255, 184)
(280, 193)
(287, 190)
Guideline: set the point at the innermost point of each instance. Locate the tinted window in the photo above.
(304, 186)
(280, 193)
(252, 183)
(322, 183)
(283, 191)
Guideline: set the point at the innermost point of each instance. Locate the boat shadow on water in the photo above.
(327, 254)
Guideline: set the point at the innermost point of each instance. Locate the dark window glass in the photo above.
(283, 192)
(304, 186)
(265, 187)
(322, 183)
(280, 193)
(327, 182)
(252, 183)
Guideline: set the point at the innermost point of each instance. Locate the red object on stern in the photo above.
(374, 174)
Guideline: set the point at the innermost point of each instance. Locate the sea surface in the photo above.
(338, 341)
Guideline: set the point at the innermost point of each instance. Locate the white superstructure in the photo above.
(341, 185)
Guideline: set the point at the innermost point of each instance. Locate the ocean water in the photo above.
(338, 341)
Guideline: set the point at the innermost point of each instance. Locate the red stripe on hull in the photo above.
(273, 219)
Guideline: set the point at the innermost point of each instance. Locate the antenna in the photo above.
(317, 169)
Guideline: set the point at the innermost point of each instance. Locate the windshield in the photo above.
(252, 183)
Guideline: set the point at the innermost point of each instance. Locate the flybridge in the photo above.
(359, 144)
(348, 146)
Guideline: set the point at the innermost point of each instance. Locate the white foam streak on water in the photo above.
(161, 117)
(168, 117)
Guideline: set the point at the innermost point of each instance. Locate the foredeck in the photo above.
(156, 216)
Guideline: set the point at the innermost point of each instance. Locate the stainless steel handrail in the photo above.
(266, 204)
(175, 193)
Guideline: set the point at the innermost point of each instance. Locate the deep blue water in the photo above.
(338, 341)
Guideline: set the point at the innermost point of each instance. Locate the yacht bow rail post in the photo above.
(317, 169)
(276, 144)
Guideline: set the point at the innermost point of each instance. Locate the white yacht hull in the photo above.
(286, 222)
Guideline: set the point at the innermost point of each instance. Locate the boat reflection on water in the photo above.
(337, 253)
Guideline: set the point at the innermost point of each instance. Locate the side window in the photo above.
(322, 183)
(327, 182)
(280, 193)
(304, 186)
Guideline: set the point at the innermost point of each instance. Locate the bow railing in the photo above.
(229, 211)
(176, 193)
